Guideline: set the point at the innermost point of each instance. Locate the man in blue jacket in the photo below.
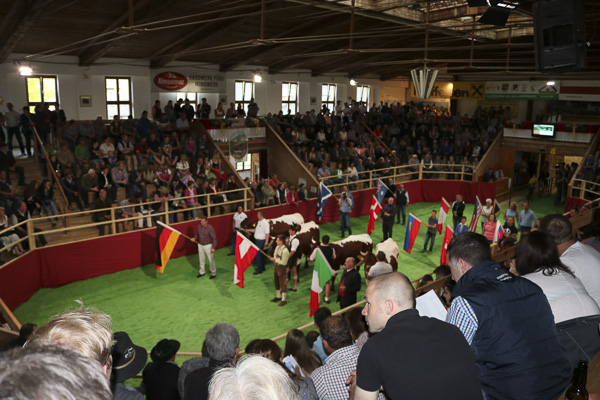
(508, 323)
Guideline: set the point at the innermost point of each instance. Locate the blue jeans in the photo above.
(429, 236)
(260, 257)
(233, 237)
(400, 209)
(14, 131)
(345, 223)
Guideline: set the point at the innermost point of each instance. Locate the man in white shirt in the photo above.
(381, 266)
(261, 239)
(238, 217)
(582, 259)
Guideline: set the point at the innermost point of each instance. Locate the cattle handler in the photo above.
(280, 258)
(295, 259)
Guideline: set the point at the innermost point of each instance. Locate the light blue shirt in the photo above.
(318, 348)
(527, 219)
(344, 204)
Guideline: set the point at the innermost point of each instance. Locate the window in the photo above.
(244, 92)
(328, 93)
(192, 97)
(244, 165)
(289, 97)
(362, 94)
(118, 97)
(42, 89)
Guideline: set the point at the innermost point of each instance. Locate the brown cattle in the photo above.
(308, 236)
(278, 226)
(357, 246)
(391, 251)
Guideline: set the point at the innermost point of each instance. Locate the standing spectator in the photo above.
(392, 358)
(238, 218)
(346, 202)
(510, 230)
(203, 109)
(489, 228)
(25, 121)
(458, 208)
(349, 284)
(219, 111)
(381, 266)
(7, 192)
(144, 126)
(508, 323)
(462, 227)
(402, 201)
(188, 109)
(527, 219)
(512, 211)
(160, 376)
(280, 258)
(486, 211)
(387, 218)
(12, 121)
(302, 192)
(261, 239)
(431, 226)
(206, 239)
(102, 204)
(252, 109)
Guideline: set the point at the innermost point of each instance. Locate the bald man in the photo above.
(393, 360)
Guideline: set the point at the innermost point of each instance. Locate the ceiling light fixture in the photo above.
(25, 70)
(352, 82)
(550, 83)
(257, 77)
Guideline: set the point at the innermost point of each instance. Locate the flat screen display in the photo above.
(540, 130)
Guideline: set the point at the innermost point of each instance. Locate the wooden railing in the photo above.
(584, 189)
(51, 172)
(400, 173)
(592, 149)
(490, 158)
(382, 143)
(114, 219)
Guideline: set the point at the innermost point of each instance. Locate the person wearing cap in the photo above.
(128, 361)
(160, 376)
(206, 239)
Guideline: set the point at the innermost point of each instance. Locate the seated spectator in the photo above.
(302, 192)
(86, 130)
(89, 184)
(9, 236)
(254, 377)
(144, 126)
(127, 153)
(258, 196)
(215, 198)
(508, 359)
(446, 296)
(20, 215)
(105, 148)
(105, 182)
(82, 155)
(9, 164)
(115, 129)
(128, 360)
(99, 128)
(71, 134)
(95, 155)
(222, 344)
(489, 176)
(296, 345)
(51, 372)
(71, 189)
(120, 178)
(160, 376)
(537, 260)
(29, 197)
(268, 195)
(137, 183)
(126, 210)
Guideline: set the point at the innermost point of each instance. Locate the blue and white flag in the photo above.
(324, 195)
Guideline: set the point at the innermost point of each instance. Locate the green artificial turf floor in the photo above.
(176, 305)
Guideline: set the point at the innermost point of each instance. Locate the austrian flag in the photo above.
(444, 210)
(245, 252)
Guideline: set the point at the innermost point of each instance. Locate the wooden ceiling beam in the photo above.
(244, 57)
(17, 23)
(94, 52)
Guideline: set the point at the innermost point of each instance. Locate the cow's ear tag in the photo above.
(360, 258)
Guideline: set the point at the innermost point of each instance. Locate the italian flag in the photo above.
(322, 273)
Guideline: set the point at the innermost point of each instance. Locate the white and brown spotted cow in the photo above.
(357, 246)
(392, 253)
(309, 237)
(278, 226)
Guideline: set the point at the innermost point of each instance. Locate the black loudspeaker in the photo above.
(559, 33)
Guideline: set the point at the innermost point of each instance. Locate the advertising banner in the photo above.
(580, 91)
(455, 90)
(170, 81)
(521, 90)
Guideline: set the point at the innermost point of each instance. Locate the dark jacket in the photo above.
(516, 345)
(351, 280)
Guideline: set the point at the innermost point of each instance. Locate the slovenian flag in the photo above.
(376, 207)
(447, 238)
(412, 230)
(499, 232)
(166, 237)
(322, 273)
(324, 195)
(444, 210)
(476, 213)
(245, 252)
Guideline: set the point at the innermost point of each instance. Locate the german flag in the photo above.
(497, 209)
(166, 237)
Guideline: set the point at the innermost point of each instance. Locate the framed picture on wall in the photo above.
(313, 101)
(85, 101)
(223, 99)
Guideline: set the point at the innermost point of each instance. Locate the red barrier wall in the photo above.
(572, 202)
(58, 265)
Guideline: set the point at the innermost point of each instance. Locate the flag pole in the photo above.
(175, 230)
(259, 249)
